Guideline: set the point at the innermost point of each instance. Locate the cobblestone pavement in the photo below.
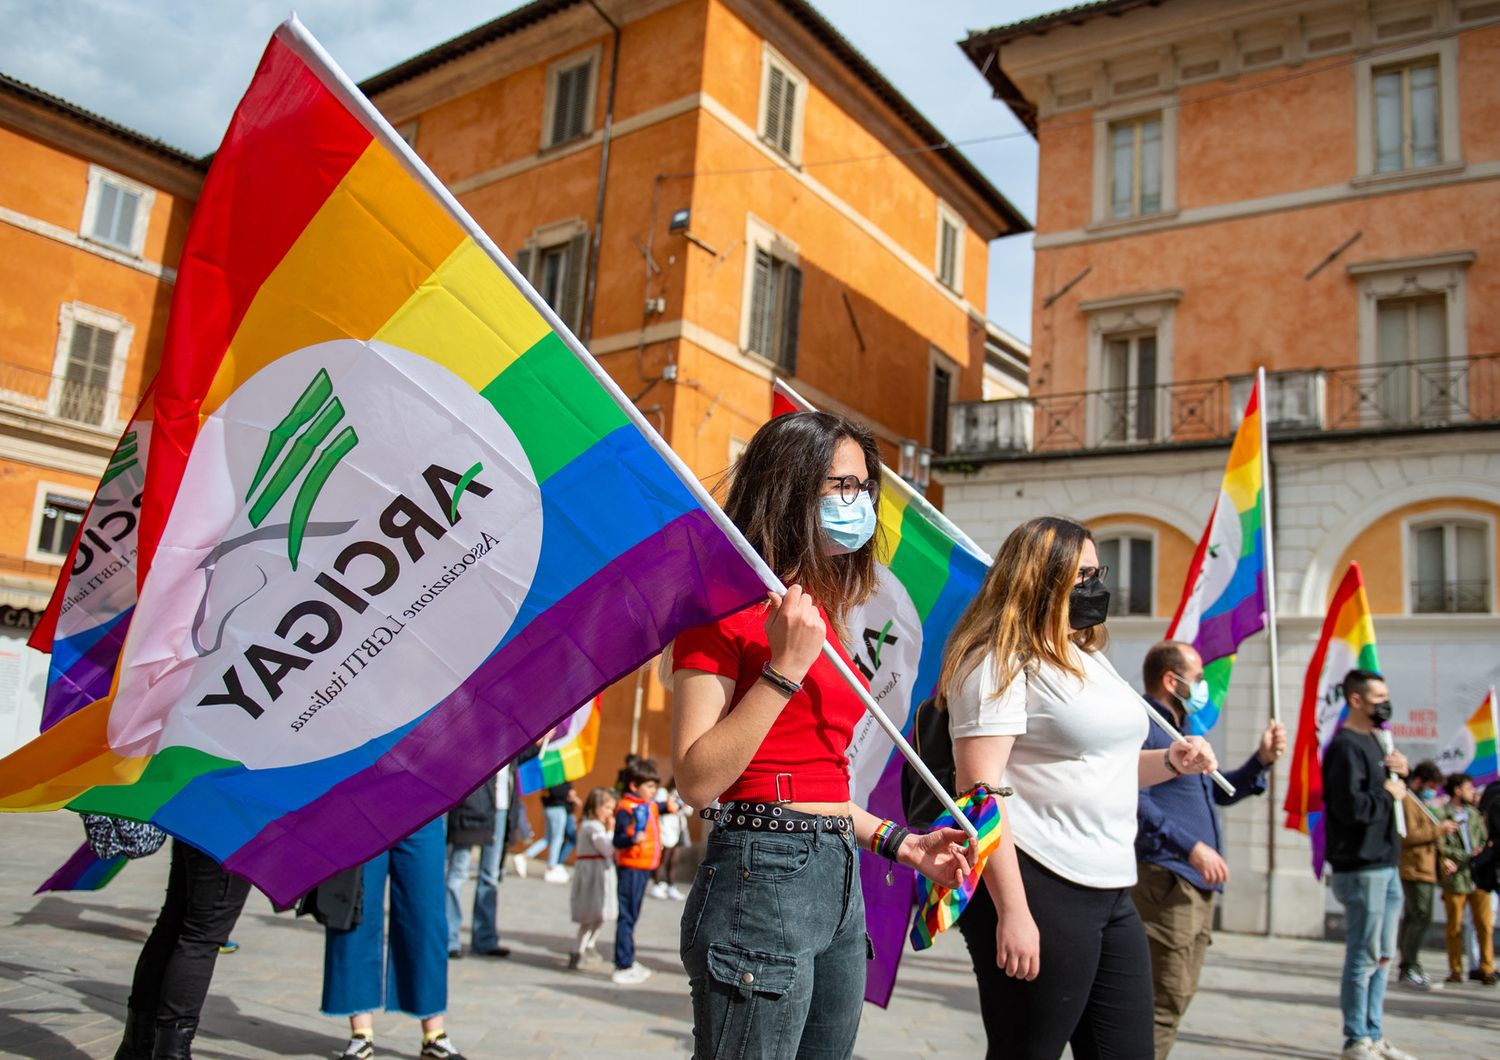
(66, 960)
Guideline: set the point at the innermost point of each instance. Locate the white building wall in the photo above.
(1325, 493)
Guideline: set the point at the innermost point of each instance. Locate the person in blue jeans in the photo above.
(478, 821)
(363, 969)
(1362, 795)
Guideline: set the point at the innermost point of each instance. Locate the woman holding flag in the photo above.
(773, 933)
(1058, 948)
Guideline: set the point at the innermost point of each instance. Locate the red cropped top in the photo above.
(802, 758)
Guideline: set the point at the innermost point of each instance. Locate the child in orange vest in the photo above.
(637, 854)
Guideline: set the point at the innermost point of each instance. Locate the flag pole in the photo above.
(1275, 675)
(337, 81)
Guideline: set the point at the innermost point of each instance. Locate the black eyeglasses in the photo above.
(1088, 574)
(851, 486)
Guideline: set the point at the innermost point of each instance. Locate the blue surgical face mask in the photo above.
(846, 527)
(1197, 696)
(1427, 794)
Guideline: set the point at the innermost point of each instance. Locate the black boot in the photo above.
(140, 1035)
(174, 1040)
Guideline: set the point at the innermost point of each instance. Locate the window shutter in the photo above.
(791, 313)
(566, 105)
(571, 309)
(128, 201)
(578, 101)
(774, 92)
(762, 304)
(525, 262)
(104, 211)
(86, 376)
(942, 384)
(788, 112)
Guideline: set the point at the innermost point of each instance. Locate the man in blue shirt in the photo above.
(1179, 844)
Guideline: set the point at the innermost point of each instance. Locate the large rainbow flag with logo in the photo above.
(566, 754)
(1472, 749)
(1347, 642)
(930, 570)
(396, 525)
(1224, 597)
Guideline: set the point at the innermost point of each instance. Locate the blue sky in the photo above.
(175, 69)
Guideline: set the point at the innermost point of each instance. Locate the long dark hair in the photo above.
(1020, 614)
(774, 491)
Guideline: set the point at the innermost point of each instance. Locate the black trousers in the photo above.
(1094, 989)
(202, 904)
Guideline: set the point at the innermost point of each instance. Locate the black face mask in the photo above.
(1088, 604)
(1381, 712)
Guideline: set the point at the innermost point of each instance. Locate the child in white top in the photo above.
(674, 835)
(593, 900)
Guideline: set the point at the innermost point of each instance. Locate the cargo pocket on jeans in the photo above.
(751, 972)
(692, 913)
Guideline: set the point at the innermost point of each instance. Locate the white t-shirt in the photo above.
(1074, 765)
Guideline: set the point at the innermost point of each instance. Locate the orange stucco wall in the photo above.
(1381, 550)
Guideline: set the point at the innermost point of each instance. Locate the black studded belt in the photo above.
(769, 817)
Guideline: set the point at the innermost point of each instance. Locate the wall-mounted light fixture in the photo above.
(915, 465)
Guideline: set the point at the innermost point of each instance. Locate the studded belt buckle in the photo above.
(788, 796)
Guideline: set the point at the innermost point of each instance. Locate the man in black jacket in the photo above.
(478, 821)
(1362, 794)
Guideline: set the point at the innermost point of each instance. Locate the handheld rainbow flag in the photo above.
(1226, 594)
(938, 907)
(83, 871)
(86, 620)
(929, 571)
(1473, 748)
(1347, 642)
(566, 755)
(397, 523)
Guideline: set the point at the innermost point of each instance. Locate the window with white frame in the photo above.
(1409, 332)
(569, 111)
(556, 263)
(1406, 105)
(58, 517)
(950, 255)
(1125, 405)
(1450, 566)
(1131, 559)
(1135, 167)
(782, 92)
(775, 308)
(92, 345)
(116, 211)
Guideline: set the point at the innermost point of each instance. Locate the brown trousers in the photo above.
(1484, 926)
(1178, 918)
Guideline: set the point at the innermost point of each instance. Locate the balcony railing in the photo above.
(1395, 396)
(1451, 598)
(57, 397)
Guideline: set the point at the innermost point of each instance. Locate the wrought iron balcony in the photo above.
(1400, 395)
(1451, 598)
(63, 399)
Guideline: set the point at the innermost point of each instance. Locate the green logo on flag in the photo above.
(298, 436)
(123, 460)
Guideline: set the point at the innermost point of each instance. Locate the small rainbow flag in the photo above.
(566, 755)
(84, 871)
(938, 907)
(1224, 597)
(1473, 748)
(397, 523)
(1347, 643)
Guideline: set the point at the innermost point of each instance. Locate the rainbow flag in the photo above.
(1224, 597)
(83, 871)
(929, 571)
(397, 523)
(567, 753)
(1347, 642)
(85, 622)
(938, 907)
(1472, 749)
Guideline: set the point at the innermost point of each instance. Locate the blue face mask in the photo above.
(846, 527)
(1197, 696)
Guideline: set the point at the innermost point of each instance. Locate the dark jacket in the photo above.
(1176, 815)
(1461, 846)
(1359, 820)
(337, 902)
(472, 822)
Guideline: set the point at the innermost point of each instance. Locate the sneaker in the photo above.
(358, 1049)
(636, 973)
(498, 951)
(230, 946)
(1489, 980)
(556, 874)
(1360, 1049)
(1454, 978)
(676, 895)
(1386, 1051)
(456, 954)
(592, 959)
(440, 1048)
(575, 961)
(657, 890)
(1415, 980)
(518, 862)
(1476, 975)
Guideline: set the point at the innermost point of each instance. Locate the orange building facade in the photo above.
(1303, 186)
(714, 194)
(92, 218)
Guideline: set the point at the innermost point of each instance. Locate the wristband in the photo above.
(778, 680)
(1171, 765)
(887, 838)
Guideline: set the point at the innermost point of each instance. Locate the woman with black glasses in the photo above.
(1058, 949)
(773, 933)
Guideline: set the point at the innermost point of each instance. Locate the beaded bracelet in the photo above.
(776, 679)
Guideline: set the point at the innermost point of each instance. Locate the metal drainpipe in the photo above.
(609, 123)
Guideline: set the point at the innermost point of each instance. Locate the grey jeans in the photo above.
(773, 939)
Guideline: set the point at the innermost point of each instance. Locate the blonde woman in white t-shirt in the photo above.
(1058, 949)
